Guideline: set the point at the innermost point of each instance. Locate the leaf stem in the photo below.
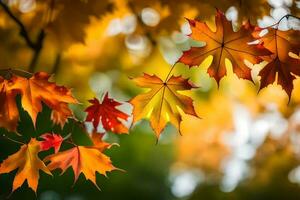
(15, 141)
(67, 136)
(173, 66)
(11, 71)
(70, 142)
(277, 23)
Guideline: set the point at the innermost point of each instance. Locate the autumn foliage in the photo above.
(162, 101)
(109, 115)
(224, 43)
(28, 163)
(34, 91)
(158, 103)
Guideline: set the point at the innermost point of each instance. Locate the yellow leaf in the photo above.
(27, 162)
(162, 104)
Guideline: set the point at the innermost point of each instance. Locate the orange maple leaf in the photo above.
(34, 91)
(221, 44)
(163, 102)
(9, 114)
(99, 143)
(281, 43)
(60, 113)
(27, 162)
(38, 89)
(86, 160)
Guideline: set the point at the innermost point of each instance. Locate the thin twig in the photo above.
(12, 71)
(56, 64)
(37, 51)
(15, 141)
(21, 71)
(67, 136)
(278, 22)
(70, 142)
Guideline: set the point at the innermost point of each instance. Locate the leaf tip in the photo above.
(191, 22)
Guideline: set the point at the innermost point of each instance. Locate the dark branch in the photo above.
(36, 46)
(37, 50)
(23, 30)
(56, 64)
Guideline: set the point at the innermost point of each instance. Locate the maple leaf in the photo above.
(163, 102)
(281, 43)
(9, 114)
(27, 162)
(60, 114)
(51, 140)
(108, 114)
(38, 89)
(86, 160)
(34, 91)
(99, 143)
(221, 44)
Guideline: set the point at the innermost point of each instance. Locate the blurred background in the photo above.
(245, 147)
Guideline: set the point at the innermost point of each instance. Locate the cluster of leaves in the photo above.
(236, 46)
(53, 21)
(163, 103)
(203, 9)
(34, 91)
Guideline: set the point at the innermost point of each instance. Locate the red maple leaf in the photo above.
(51, 140)
(281, 68)
(108, 114)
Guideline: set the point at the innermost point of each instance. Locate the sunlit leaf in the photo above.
(27, 162)
(221, 44)
(162, 104)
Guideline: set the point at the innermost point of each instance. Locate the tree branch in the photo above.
(37, 50)
(36, 46)
(23, 30)
(56, 64)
